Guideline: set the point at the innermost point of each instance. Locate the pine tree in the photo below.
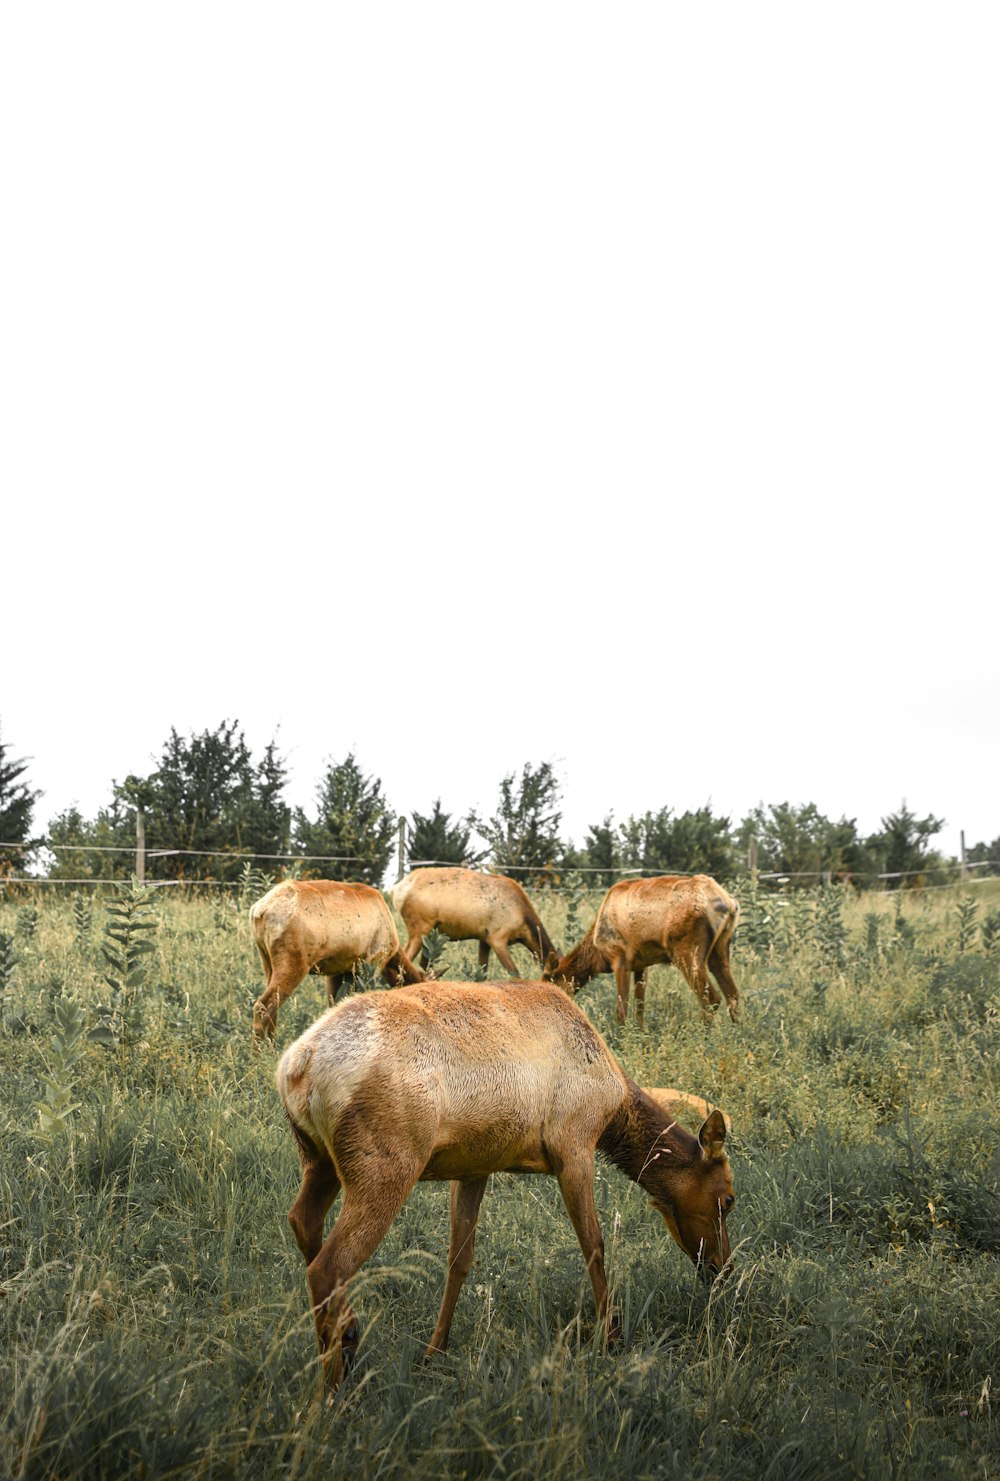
(523, 834)
(354, 825)
(435, 839)
(692, 843)
(17, 802)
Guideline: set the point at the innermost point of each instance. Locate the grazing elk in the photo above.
(468, 906)
(321, 926)
(688, 922)
(455, 1081)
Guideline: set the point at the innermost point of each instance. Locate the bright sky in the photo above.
(469, 385)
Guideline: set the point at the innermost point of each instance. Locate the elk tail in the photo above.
(399, 891)
(728, 913)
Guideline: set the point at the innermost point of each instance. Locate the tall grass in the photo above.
(153, 1310)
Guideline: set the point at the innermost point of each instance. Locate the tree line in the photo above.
(208, 803)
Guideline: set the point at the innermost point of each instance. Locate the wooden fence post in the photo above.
(963, 868)
(140, 846)
(401, 870)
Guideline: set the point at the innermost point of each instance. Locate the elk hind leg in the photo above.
(320, 1186)
(334, 983)
(287, 971)
(415, 948)
(465, 1200)
(361, 1225)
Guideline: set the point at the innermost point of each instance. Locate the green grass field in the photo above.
(153, 1309)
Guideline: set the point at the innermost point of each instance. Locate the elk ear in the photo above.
(712, 1136)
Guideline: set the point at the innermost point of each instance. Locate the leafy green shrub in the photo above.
(67, 1047)
(128, 940)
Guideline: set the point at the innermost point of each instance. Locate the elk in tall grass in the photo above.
(688, 922)
(455, 1081)
(468, 906)
(324, 927)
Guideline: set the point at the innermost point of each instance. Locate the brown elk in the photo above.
(688, 922)
(324, 927)
(468, 906)
(455, 1081)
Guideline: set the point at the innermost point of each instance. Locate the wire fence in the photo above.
(556, 877)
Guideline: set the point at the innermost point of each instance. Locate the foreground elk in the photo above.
(468, 906)
(321, 926)
(688, 922)
(455, 1081)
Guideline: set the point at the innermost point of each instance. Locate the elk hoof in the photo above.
(349, 1344)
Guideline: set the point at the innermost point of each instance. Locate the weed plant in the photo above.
(153, 1310)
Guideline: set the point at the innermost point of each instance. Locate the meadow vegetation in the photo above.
(153, 1307)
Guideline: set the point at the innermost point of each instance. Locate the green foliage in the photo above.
(966, 910)
(17, 802)
(98, 848)
(757, 920)
(354, 826)
(692, 843)
(27, 922)
(902, 848)
(7, 964)
(207, 799)
(799, 841)
(83, 918)
(253, 883)
(991, 931)
(601, 854)
(831, 933)
(873, 923)
(156, 1320)
(67, 1046)
(434, 946)
(903, 928)
(523, 833)
(986, 855)
(435, 839)
(128, 940)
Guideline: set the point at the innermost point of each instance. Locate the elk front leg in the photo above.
(506, 960)
(718, 964)
(465, 1200)
(576, 1184)
(640, 997)
(484, 956)
(691, 965)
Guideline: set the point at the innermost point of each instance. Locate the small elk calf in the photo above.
(468, 906)
(455, 1081)
(688, 922)
(325, 927)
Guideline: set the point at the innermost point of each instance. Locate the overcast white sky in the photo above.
(469, 385)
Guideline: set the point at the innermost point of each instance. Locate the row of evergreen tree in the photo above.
(208, 804)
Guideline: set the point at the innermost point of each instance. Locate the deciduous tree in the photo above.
(523, 833)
